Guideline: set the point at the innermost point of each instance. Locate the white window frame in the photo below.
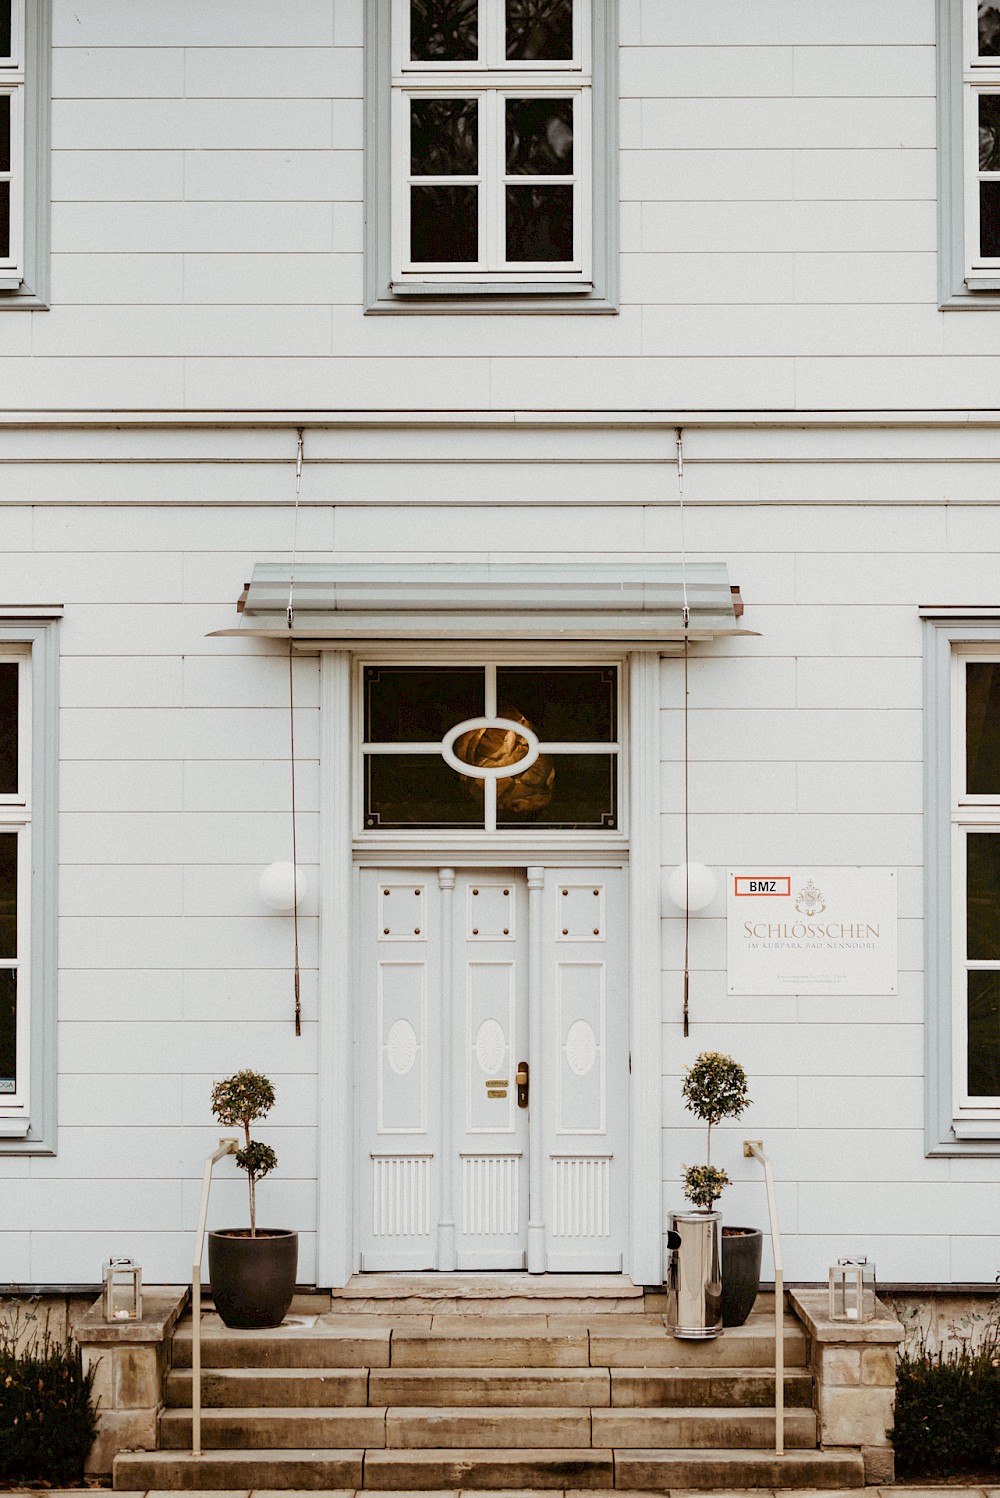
(953, 1125)
(12, 87)
(500, 839)
(589, 281)
(970, 814)
(28, 1115)
(25, 79)
(15, 820)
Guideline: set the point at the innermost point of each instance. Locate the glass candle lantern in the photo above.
(122, 1290)
(852, 1290)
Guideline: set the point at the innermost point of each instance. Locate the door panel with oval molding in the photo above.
(452, 962)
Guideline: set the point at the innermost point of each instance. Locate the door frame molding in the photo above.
(336, 1235)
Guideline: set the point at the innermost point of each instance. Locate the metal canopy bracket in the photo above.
(635, 603)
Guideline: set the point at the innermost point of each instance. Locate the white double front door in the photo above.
(470, 981)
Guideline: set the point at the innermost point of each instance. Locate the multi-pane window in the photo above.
(15, 866)
(976, 879)
(490, 747)
(491, 142)
(12, 98)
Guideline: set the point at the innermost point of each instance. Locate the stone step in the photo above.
(630, 1470)
(629, 1388)
(509, 1428)
(702, 1388)
(583, 1467)
(312, 1388)
(275, 1429)
(645, 1346)
(697, 1429)
(655, 1471)
(174, 1471)
(485, 1387)
(445, 1341)
(318, 1345)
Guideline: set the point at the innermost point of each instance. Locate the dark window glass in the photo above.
(562, 791)
(444, 30)
(8, 728)
(418, 790)
(8, 1030)
(984, 1035)
(444, 137)
(5, 104)
(418, 704)
(8, 894)
(989, 31)
(539, 223)
(983, 896)
(989, 218)
(539, 30)
(563, 704)
(5, 28)
(444, 225)
(982, 728)
(989, 132)
(539, 137)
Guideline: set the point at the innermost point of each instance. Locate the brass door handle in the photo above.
(523, 1081)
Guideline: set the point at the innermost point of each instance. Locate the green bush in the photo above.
(948, 1410)
(47, 1416)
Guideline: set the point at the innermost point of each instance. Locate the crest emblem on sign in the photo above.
(810, 900)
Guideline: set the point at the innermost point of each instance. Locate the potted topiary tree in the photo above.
(252, 1270)
(715, 1087)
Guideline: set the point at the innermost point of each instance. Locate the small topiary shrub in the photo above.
(241, 1100)
(948, 1410)
(715, 1087)
(48, 1418)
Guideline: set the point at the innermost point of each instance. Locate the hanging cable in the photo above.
(290, 615)
(686, 616)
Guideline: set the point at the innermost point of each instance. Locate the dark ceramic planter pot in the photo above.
(253, 1279)
(740, 1272)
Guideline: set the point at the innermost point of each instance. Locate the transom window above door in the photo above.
(490, 747)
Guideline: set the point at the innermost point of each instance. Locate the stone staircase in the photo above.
(432, 1391)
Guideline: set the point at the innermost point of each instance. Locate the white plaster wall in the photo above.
(777, 223)
(806, 746)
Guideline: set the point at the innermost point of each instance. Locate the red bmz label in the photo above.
(762, 884)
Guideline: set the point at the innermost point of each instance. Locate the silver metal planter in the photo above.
(694, 1277)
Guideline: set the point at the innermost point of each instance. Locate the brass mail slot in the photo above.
(499, 1082)
(496, 1092)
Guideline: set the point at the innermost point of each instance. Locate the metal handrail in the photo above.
(754, 1148)
(226, 1147)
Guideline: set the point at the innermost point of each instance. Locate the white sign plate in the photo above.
(811, 930)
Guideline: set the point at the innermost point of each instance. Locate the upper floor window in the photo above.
(12, 79)
(982, 139)
(24, 125)
(491, 110)
(490, 144)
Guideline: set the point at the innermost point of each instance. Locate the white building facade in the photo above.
(500, 263)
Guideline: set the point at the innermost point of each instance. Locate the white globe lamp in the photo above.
(692, 886)
(282, 886)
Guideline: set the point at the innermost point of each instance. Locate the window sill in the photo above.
(976, 298)
(977, 1128)
(555, 297)
(14, 1127)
